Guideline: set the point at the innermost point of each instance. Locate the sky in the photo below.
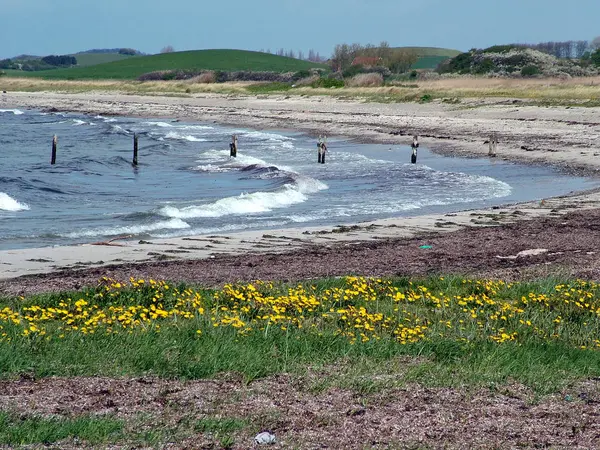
(43, 27)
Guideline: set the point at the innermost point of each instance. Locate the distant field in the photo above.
(226, 60)
(91, 59)
(430, 57)
(433, 51)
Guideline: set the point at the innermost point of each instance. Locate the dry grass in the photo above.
(555, 90)
(365, 80)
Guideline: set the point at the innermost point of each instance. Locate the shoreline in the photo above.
(440, 127)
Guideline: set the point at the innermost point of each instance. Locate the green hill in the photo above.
(430, 57)
(225, 60)
(91, 59)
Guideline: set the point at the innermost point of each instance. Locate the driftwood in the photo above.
(110, 241)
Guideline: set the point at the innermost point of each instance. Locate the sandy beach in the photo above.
(539, 236)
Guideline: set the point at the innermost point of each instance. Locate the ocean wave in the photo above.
(190, 138)
(172, 224)
(7, 203)
(256, 202)
(16, 112)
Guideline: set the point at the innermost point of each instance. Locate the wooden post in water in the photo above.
(54, 145)
(233, 146)
(414, 146)
(135, 149)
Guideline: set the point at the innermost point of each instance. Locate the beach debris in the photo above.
(110, 241)
(525, 253)
(425, 247)
(265, 437)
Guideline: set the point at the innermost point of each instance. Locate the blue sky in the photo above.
(45, 27)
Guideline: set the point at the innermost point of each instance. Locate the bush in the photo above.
(300, 75)
(530, 71)
(595, 57)
(328, 83)
(204, 78)
(365, 80)
(501, 48)
(308, 81)
(353, 71)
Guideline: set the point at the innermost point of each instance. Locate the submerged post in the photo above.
(135, 150)
(414, 146)
(233, 146)
(323, 150)
(54, 145)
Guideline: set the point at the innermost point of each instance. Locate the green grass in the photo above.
(433, 51)
(428, 62)
(553, 342)
(224, 60)
(92, 59)
(17, 430)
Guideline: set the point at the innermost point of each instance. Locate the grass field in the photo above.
(225, 60)
(92, 59)
(363, 335)
(543, 335)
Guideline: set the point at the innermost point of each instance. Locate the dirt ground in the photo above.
(408, 417)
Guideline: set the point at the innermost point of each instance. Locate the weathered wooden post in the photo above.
(319, 144)
(135, 150)
(323, 150)
(233, 146)
(54, 145)
(414, 146)
(492, 145)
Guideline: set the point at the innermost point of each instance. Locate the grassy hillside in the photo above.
(430, 57)
(91, 59)
(226, 60)
(433, 51)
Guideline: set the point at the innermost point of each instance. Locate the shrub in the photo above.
(595, 57)
(204, 78)
(353, 71)
(300, 75)
(2, 73)
(501, 48)
(328, 83)
(425, 98)
(530, 71)
(308, 81)
(414, 74)
(365, 80)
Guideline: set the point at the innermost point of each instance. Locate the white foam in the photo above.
(256, 202)
(79, 122)
(172, 224)
(16, 112)
(7, 203)
(190, 138)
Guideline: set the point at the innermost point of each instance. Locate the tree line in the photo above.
(36, 64)
(395, 59)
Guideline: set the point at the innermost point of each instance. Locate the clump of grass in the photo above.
(262, 88)
(17, 430)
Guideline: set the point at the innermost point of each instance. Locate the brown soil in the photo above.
(571, 240)
(411, 417)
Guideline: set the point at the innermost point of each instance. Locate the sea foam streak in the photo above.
(16, 112)
(7, 203)
(173, 224)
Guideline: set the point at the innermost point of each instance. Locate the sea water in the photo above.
(186, 183)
